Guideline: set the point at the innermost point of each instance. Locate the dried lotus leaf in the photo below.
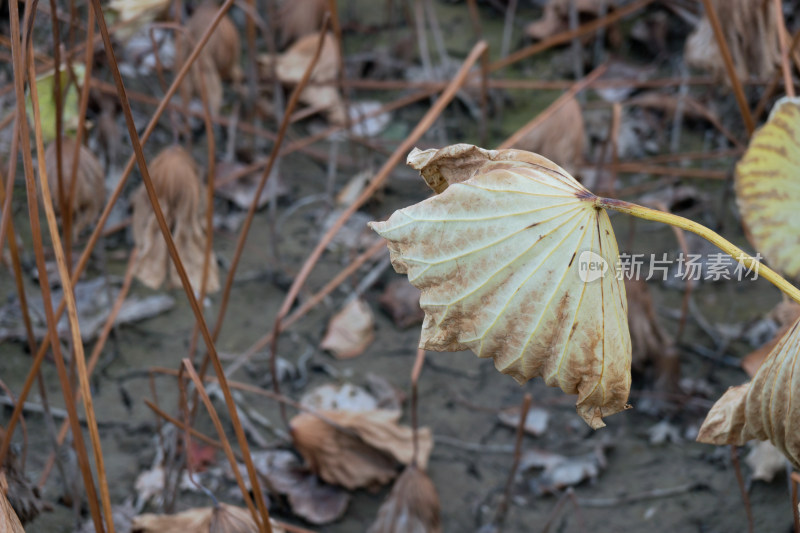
(767, 188)
(765, 408)
(411, 507)
(178, 188)
(221, 519)
(224, 46)
(517, 263)
(90, 190)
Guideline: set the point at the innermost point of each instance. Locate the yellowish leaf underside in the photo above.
(497, 259)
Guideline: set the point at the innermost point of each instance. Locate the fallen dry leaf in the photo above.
(388, 395)
(290, 66)
(309, 497)
(767, 188)
(241, 191)
(350, 330)
(765, 460)
(90, 190)
(224, 46)
(9, 523)
(765, 408)
(298, 18)
(561, 137)
(344, 397)
(135, 14)
(221, 519)
(561, 471)
(401, 300)
(749, 29)
(535, 422)
(515, 263)
(411, 507)
(368, 451)
(178, 188)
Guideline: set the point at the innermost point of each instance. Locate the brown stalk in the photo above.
(566, 36)
(423, 126)
(416, 370)
(736, 83)
(5, 211)
(552, 108)
(306, 306)
(693, 156)
(248, 221)
(83, 105)
(33, 212)
(82, 262)
(742, 489)
(72, 309)
(94, 357)
(198, 384)
(785, 67)
(173, 252)
(183, 426)
(58, 99)
(502, 507)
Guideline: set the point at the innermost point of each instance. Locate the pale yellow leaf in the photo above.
(502, 256)
(768, 188)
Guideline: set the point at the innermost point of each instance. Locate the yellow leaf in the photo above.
(515, 262)
(765, 408)
(768, 188)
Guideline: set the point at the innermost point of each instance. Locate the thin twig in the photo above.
(502, 507)
(742, 489)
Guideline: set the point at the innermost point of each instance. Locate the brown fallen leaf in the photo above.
(517, 264)
(368, 451)
(205, 74)
(561, 137)
(784, 314)
(350, 330)
(220, 519)
(298, 18)
(561, 471)
(749, 29)
(290, 66)
(309, 497)
(134, 14)
(9, 522)
(401, 300)
(411, 507)
(388, 395)
(765, 408)
(90, 190)
(178, 188)
(343, 397)
(224, 46)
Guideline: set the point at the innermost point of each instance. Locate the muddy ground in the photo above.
(674, 486)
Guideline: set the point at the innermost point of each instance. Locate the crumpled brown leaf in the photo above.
(368, 451)
(561, 137)
(749, 29)
(350, 330)
(222, 519)
(309, 497)
(178, 187)
(290, 66)
(502, 257)
(298, 18)
(9, 523)
(224, 45)
(90, 190)
(411, 507)
(765, 408)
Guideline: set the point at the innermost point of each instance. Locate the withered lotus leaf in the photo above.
(223, 518)
(178, 187)
(411, 507)
(515, 262)
(224, 46)
(363, 451)
(765, 408)
(90, 190)
(767, 188)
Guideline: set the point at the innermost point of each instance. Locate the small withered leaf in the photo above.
(411, 507)
(223, 518)
(516, 263)
(765, 408)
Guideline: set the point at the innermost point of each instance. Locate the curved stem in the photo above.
(717, 240)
